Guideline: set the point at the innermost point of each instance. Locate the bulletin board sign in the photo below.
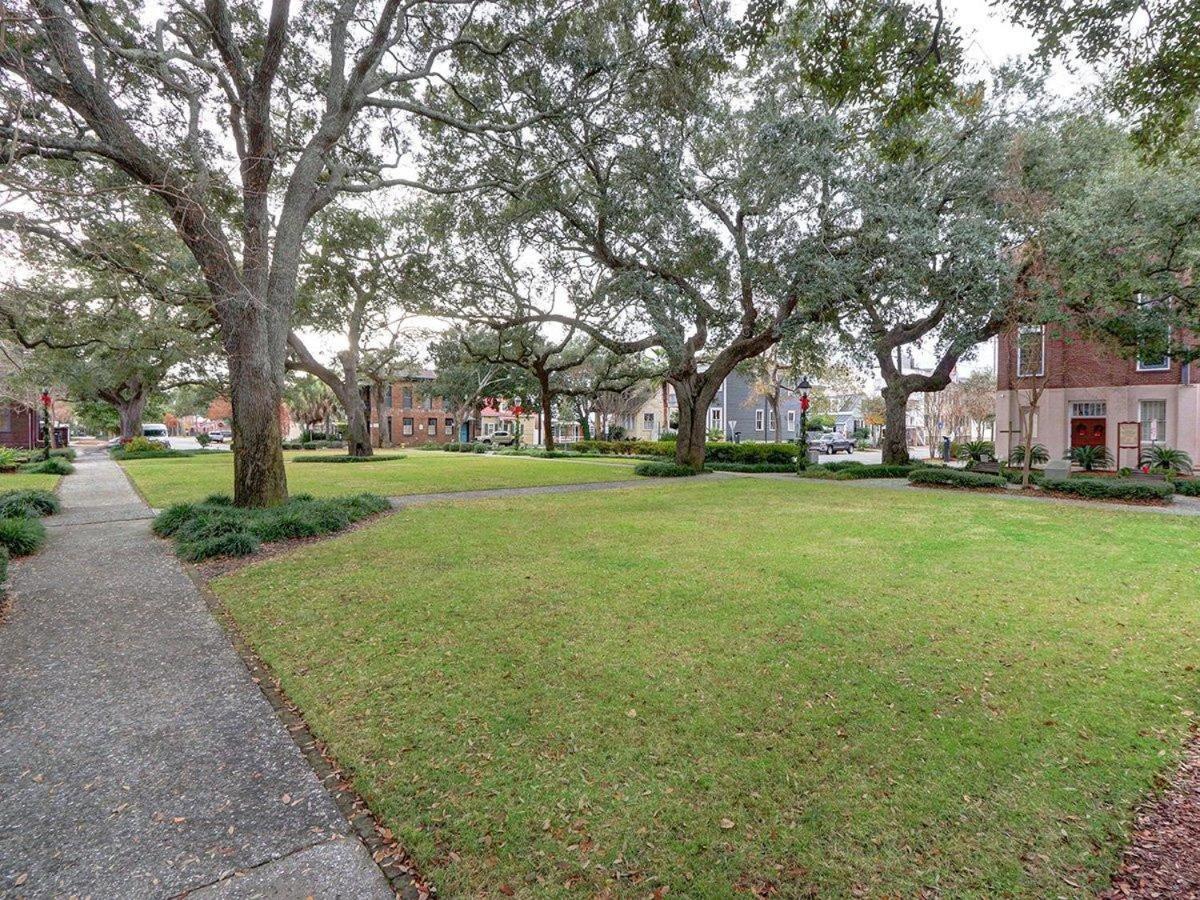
(1129, 435)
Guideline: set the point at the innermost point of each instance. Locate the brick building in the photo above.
(19, 426)
(412, 415)
(1088, 391)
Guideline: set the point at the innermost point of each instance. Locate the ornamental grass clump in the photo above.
(21, 535)
(28, 503)
(215, 527)
(55, 465)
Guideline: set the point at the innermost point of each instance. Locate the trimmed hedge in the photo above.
(216, 528)
(946, 477)
(769, 468)
(314, 445)
(1189, 487)
(20, 535)
(27, 503)
(55, 465)
(663, 470)
(379, 457)
(851, 471)
(118, 453)
(1112, 489)
(716, 451)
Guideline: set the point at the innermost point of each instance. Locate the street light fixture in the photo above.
(802, 388)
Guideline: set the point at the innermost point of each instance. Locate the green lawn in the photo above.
(20, 481)
(167, 481)
(722, 684)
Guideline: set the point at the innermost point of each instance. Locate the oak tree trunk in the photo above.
(255, 395)
(547, 420)
(129, 413)
(895, 431)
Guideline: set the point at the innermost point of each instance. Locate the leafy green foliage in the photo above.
(21, 535)
(214, 527)
(663, 470)
(1167, 459)
(29, 503)
(760, 467)
(1091, 456)
(3, 564)
(1112, 489)
(1189, 487)
(947, 477)
(8, 459)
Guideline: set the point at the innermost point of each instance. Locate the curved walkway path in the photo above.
(137, 756)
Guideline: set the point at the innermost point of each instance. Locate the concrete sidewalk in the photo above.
(137, 756)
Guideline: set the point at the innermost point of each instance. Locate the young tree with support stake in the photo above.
(243, 122)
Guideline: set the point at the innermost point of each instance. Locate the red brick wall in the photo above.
(1072, 362)
(420, 416)
(18, 426)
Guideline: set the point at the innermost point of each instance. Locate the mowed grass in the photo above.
(745, 685)
(182, 479)
(20, 481)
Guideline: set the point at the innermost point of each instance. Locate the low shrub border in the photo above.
(1189, 487)
(852, 471)
(1112, 489)
(940, 476)
(215, 527)
(663, 470)
(378, 457)
(314, 445)
(55, 465)
(760, 468)
(20, 531)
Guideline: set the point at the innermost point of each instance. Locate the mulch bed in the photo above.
(1164, 858)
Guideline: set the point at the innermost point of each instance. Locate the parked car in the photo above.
(499, 439)
(156, 431)
(218, 437)
(831, 442)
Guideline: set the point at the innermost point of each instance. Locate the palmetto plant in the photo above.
(1166, 459)
(1090, 456)
(8, 460)
(977, 451)
(1038, 454)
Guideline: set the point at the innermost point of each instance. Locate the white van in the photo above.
(156, 432)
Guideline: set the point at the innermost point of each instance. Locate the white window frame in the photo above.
(759, 418)
(406, 425)
(448, 427)
(1022, 330)
(1079, 409)
(714, 417)
(791, 420)
(771, 420)
(1165, 366)
(1162, 432)
(647, 421)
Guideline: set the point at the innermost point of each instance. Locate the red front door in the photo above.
(1087, 432)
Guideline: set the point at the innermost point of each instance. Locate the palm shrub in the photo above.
(1090, 456)
(977, 451)
(1167, 459)
(20, 535)
(8, 460)
(1038, 455)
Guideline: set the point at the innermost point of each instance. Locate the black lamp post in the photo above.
(802, 387)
